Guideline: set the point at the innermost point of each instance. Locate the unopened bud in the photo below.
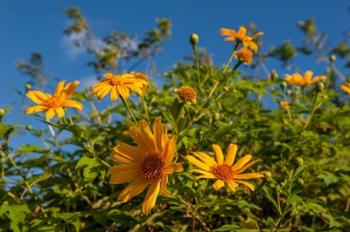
(2, 112)
(320, 86)
(283, 84)
(300, 161)
(194, 38)
(28, 87)
(274, 75)
(332, 58)
(301, 181)
(268, 174)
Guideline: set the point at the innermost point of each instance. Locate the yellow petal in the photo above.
(59, 111)
(241, 162)
(151, 197)
(147, 136)
(114, 94)
(205, 174)
(249, 185)
(38, 97)
(231, 154)
(218, 184)
(245, 167)
(205, 158)
(174, 167)
(218, 154)
(50, 114)
(122, 168)
(124, 92)
(35, 109)
(163, 188)
(197, 163)
(125, 176)
(125, 153)
(170, 150)
(158, 134)
(72, 104)
(133, 189)
(59, 88)
(253, 175)
(232, 185)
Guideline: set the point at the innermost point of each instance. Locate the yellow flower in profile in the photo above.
(120, 85)
(225, 171)
(346, 87)
(54, 104)
(303, 81)
(187, 94)
(244, 55)
(284, 104)
(146, 165)
(241, 37)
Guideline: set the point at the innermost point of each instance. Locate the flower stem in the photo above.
(195, 53)
(128, 109)
(227, 65)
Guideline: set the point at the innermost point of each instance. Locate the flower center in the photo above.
(222, 171)
(152, 167)
(53, 102)
(115, 81)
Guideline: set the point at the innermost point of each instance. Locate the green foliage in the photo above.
(61, 184)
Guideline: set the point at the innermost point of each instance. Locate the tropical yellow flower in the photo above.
(146, 165)
(303, 81)
(241, 37)
(224, 170)
(244, 55)
(54, 104)
(284, 104)
(120, 85)
(187, 94)
(346, 87)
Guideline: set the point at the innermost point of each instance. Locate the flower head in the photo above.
(346, 87)
(225, 171)
(187, 94)
(146, 165)
(303, 81)
(244, 55)
(241, 37)
(56, 103)
(120, 85)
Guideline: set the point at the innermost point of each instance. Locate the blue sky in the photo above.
(37, 26)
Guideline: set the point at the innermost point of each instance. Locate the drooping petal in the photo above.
(114, 94)
(218, 184)
(50, 113)
(133, 189)
(72, 104)
(170, 150)
(218, 153)
(232, 185)
(249, 185)
(163, 188)
(151, 197)
(59, 111)
(231, 154)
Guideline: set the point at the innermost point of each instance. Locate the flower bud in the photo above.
(300, 161)
(320, 86)
(28, 87)
(301, 181)
(194, 38)
(283, 84)
(187, 94)
(332, 58)
(273, 75)
(2, 112)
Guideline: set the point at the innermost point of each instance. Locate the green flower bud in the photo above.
(332, 58)
(320, 86)
(301, 181)
(274, 75)
(300, 161)
(194, 38)
(2, 112)
(28, 87)
(283, 84)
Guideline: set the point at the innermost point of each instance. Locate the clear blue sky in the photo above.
(37, 26)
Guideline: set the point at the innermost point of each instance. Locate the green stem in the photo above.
(227, 65)
(195, 53)
(314, 108)
(128, 109)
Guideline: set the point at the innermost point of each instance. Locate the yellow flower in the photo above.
(284, 104)
(120, 85)
(303, 81)
(187, 94)
(241, 37)
(244, 55)
(224, 171)
(146, 165)
(346, 87)
(54, 104)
